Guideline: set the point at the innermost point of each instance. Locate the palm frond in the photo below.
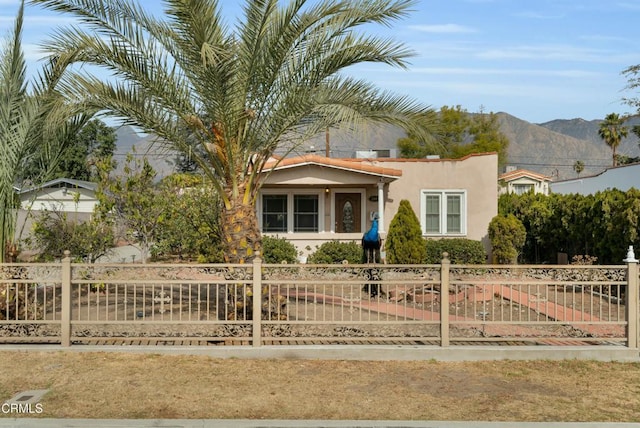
(239, 92)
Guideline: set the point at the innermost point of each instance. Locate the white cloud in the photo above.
(442, 28)
(555, 53)
(629, 5)
(39, 20)
(569, 73)
(537, 15)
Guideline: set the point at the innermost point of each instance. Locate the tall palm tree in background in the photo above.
(612, 131)
(34, 123)
(270, 82)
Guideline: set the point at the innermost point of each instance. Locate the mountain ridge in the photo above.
(549, 148)
(553, 147)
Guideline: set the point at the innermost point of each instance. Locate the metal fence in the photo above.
(443, 304)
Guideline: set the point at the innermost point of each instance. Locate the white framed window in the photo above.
(290, 211)
(443, 212)
(521, 189)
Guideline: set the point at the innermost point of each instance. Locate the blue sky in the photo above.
(537, 60)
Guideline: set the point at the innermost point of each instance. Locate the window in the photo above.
(274, 213)
(443, 212)
(290, 212)
(521, 189)
(305, 213)
(432, 212)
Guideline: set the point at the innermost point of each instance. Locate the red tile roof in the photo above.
(346, 164)
(518, 173)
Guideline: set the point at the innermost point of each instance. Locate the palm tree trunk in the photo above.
(240, 232)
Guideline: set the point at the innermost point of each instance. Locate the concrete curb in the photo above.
(365, 352)
(245, 423)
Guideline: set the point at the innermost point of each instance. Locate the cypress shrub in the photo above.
(405, 244)
(461, 251)
(507, 235)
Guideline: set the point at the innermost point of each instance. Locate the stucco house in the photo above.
(312, 199)
(520, 181)
(621, 177)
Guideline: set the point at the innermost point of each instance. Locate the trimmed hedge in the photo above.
(461, 251)
(278, 250)
(335, 252)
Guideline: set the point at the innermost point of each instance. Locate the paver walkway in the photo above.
(579, 319)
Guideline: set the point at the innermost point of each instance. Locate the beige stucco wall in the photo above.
(478, 175)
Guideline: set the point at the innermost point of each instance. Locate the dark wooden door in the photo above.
(348, 213)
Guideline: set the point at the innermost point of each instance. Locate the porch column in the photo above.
(381, 207)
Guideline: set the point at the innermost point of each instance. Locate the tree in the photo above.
(189, 223)
(132, 202)
(460, 134)
(273, 80)
(578, 167)
(612, 132)
(486, 137)
(452, 124)
(33, 124)
(632, 73)
(404, 242)
(54, 232)
(95, 142)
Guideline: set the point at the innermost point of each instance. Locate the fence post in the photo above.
(65, 318)
(631, 303)
(444, 300)
(257, 301)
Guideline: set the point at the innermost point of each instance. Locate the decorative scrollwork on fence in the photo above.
(555, 273)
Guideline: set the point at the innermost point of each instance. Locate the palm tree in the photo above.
(32, 125)
(578, 167)
(612, 132)
(271, 81)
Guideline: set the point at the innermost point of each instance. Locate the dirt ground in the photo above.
(113, 385)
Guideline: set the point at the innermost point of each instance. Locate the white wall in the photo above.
(621, 178)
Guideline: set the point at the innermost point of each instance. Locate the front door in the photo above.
(348, 213)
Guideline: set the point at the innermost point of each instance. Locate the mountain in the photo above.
(550, 148)
(128, 140)
(553, 147)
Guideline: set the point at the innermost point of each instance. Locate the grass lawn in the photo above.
(113, 385)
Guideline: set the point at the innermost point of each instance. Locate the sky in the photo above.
(538, 60)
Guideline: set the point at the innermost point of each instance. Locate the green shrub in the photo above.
(461, 251)
(507, 235)
(336, 252)
(278, 250)
(405, 244)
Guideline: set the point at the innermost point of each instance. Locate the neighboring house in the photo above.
(312, 199)
(521, 181)
(621, 177)
(62, 194)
